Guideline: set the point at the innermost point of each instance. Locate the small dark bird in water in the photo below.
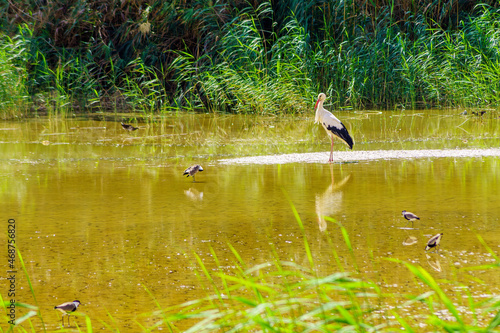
(67, 307)
(192, 170)
(410, 216)
(434, 242)
(128, 127)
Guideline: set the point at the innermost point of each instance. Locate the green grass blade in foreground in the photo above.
(285, 300)
(488, 249)
(109, 326)
(217, 263)
(425, 277)
(31, 286)
(495, 322)
(253, 285)
(403, 322)
(88, 323)
(32, 311)
(347, 240)
(301, 225)
(238, 257)
(208, 276)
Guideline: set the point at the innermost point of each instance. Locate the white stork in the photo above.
(67, 307)
(332, 125)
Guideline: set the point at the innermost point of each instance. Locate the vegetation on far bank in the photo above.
(247, 56)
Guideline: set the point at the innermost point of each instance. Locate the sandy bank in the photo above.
(354, 156)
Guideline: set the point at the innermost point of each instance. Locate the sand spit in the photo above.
(355, 156)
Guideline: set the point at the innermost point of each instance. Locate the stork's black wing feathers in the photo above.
(341, 133)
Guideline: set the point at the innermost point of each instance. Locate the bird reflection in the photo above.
(433, 262)
(129, 128)
(410, 240)
(329, 203)
(194, 194)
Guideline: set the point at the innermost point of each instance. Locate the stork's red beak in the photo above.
(316, 105)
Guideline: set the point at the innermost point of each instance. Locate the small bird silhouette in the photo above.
(410, 217)
(192, 170)
(434, 242)
(129, 128)
(67, 307)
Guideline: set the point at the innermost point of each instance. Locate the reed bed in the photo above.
(250, 57)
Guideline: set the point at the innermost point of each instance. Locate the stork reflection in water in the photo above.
(329, 202)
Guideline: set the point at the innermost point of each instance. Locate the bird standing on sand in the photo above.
(410, 217)
(434, 242)
(129, 128)
(331, 124)
(192, 170)
(67, 307)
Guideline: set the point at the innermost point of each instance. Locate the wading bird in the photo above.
(129, 128)
(434, 242)
(192, 170)
(410, 217)
(331, 124)
(67, 307)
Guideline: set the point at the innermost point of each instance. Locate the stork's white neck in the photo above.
(319, 109)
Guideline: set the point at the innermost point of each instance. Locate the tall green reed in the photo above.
(13, 92)
(264, 57)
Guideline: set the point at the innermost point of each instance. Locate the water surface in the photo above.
(102, 213)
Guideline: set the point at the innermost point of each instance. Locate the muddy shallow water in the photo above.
(102, 213)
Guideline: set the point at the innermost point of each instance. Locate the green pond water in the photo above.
(102, 213)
